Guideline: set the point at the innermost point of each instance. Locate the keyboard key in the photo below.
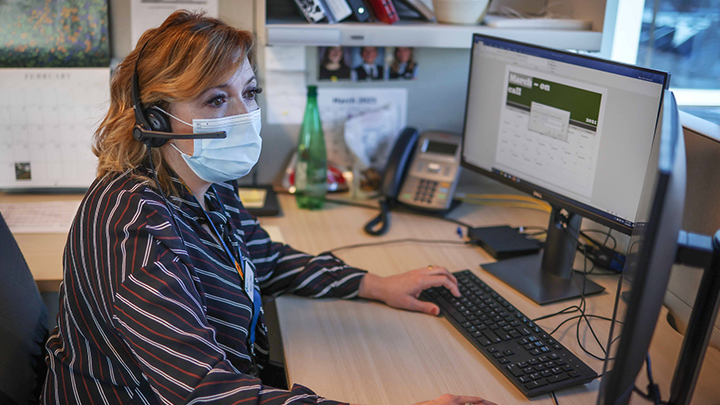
(558, 378)
(515, 370)
(536, 384)
(483, 340)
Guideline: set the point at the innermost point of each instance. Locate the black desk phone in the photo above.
(422, 172)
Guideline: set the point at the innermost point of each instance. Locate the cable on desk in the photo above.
(351, 203)
(581, 308)
(653, 389)
(504, 200)
(552, 393)
(373, 207)
(405, 240)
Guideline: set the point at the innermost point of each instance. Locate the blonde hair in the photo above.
(186, 54)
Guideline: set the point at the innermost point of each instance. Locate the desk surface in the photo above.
(365, 352)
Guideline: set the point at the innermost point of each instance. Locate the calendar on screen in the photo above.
(47, 120)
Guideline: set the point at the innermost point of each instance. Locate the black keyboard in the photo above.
(526, 354)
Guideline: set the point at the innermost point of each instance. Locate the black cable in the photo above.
(653, 389)
(406, 240)
(552, 393)
(381, 223)
(608, 236)
(351, 203)
(581, 307)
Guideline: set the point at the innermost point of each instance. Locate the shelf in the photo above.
(419, 34)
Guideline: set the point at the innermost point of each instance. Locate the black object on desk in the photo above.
(270, 204)
(527, 355)
(504, 242)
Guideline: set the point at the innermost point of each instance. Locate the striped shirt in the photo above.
(147, 316)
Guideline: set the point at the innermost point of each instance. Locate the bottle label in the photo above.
(301, 169)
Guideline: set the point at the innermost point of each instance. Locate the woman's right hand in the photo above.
(449, 399)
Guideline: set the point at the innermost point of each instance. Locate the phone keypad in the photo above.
(425, 191)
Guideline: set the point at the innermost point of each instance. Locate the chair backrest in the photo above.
(23, 326)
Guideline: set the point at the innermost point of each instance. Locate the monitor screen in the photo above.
(653, 247)
(567, 128)
(570, 129)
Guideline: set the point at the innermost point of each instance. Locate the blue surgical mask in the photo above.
(229, 158)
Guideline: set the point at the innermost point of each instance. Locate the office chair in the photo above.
(23, 326)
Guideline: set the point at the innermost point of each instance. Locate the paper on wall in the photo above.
(374, 118)
(285, 84)
(286, 58)
(146, 14)
(285, 94)
(370, 137)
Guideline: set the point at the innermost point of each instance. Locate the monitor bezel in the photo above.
(555, 199)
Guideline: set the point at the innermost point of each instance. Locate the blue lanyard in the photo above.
(255, 298)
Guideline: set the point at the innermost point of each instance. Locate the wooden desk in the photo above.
(43, 251)
(365, 352)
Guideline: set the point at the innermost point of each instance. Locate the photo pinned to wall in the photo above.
(22, 171)
(366, 64)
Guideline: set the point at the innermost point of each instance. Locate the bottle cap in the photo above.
(312, 91)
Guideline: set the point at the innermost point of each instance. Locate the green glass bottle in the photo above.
(311, 165)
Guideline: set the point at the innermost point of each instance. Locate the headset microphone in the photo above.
(152, 126)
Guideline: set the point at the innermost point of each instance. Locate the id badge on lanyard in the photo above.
(247, 275)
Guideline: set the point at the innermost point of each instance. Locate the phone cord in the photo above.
(383, 219)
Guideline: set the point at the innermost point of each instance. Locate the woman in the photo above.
(163, 267)
(403, 66)
(332, 66)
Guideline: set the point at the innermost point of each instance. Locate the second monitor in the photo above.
(572, 130)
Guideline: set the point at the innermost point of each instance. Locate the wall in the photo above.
(239, 13)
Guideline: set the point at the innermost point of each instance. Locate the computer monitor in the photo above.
(653, 247)
(702, 145)
(573, 130)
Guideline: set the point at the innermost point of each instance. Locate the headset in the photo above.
(152, 125)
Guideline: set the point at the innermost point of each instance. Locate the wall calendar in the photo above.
(47, 120)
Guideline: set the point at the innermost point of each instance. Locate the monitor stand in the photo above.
(549, 277)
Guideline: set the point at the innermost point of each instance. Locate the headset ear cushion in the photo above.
(157, 120)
